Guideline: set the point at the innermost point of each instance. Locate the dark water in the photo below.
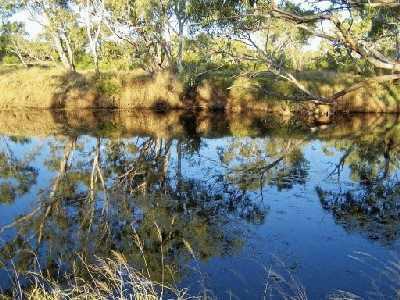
(266, 205)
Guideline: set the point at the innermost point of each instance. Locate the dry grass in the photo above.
(210, 96)
(162, 91)
(114, 278)
(51, 87)
(111, 278)
(265, 92)
(27, 88)
(374, 97)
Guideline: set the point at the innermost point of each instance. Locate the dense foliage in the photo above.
(190, 37)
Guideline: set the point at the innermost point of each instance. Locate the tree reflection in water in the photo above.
(369, 205)
(151, 196)
(107, 192)
(16, 174)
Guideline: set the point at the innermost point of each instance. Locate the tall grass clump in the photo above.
(161, 90)
(51, 87)
(44, 87)
(27, 88)
(111, 278)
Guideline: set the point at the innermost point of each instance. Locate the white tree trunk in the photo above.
(62, 53)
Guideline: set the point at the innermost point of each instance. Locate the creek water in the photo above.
(249, 206)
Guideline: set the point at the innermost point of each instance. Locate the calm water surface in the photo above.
(268, 205)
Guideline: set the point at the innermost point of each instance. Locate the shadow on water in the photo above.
(102, 178)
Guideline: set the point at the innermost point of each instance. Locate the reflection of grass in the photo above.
(99, 122)
(383, 277)
(386, 271)
(29, 123)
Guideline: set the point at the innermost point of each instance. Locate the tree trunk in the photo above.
(70, 53)
(93, 50)
(93, 30)
(397, 81)
(17, 52)
(62, 53)
(180, 46)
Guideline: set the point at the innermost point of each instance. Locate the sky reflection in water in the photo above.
(251, 194)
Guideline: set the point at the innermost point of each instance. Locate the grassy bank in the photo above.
(52, 88)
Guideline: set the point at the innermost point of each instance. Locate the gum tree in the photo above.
(59, 22)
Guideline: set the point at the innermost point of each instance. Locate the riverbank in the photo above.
(51, 88)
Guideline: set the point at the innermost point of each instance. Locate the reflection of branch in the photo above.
(95, 174)
(264, 169)
(61, 174)
(20, 220)
(339, 167)
(387, 157)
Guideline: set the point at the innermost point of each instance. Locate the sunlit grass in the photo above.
(50, 87)
(111, 278)
(114, 278)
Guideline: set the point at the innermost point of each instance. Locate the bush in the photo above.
(10, 59)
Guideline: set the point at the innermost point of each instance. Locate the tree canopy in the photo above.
(179, 35)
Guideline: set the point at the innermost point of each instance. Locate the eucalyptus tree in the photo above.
(385, 28)
(93, 14)
(156, 30)
(272, 30)
(6, 10)
(368, 30)
(143, 25)
(16, 39)
(181, 11)
(59, 21)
